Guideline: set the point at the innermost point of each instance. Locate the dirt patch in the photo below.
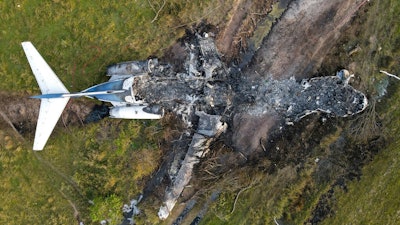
(245, 15)
(243, 21)
(300, 41)
(22, 112)
(249, 132)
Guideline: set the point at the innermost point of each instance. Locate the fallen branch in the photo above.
(237, 197)
(156, 12)
(389, 74)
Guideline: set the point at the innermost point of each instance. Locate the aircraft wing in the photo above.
(50, 111)
(46, 78)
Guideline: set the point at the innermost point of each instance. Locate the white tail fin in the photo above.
(50, 108)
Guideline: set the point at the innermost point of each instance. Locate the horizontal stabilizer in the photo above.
(46, 78)
(50, 110)
(53, 100)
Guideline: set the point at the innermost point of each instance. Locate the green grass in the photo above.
(374, 199)
(29, 192)
(104, 162)
(79, 39)
(290, 194)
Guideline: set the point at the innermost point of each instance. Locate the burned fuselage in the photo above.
(208, 96)
(209, 86)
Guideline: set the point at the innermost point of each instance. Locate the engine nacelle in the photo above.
(136, 112)
(132, 67)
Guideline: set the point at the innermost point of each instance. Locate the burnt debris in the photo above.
(207, 85)
(210, 97)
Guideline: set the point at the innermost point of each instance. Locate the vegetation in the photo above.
(373, 199)
(79, 39)
(291, 193)
(87, 173)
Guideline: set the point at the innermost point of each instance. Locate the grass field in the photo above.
(79, 39)
(374, 199)
(106, 162)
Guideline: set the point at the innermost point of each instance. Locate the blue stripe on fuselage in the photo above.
(107, 86)
(48, 96)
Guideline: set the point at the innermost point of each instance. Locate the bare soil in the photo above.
(21, 112)
(233, 37)
(298, 44)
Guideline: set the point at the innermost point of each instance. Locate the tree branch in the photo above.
(389, 74)
(156, 12)
(237, 197)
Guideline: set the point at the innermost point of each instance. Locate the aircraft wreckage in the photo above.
(206, 95)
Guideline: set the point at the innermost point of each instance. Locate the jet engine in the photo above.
(132, 67)
(136, 112)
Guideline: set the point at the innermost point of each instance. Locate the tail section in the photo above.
(52, 106)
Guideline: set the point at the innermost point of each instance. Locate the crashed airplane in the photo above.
(207, 95)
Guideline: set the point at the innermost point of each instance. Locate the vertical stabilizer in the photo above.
(50, 108)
